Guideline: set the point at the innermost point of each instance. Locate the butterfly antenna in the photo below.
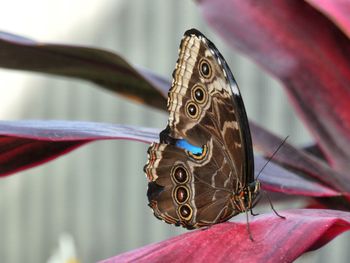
(274, 153)
(264, 192)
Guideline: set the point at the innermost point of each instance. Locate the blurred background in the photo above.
(91, 204)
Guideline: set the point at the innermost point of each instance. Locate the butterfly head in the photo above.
(245, 199)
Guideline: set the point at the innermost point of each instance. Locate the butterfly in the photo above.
(202, 170)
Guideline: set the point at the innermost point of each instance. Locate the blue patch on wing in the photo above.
(189, 147)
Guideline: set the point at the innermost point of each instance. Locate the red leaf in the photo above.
(17, 154)
(337, 10)
(278, 179)
(306, 51)
(229, 242)
(299, 159)
(24, 144)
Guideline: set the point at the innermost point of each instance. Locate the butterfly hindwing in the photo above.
(179, 194)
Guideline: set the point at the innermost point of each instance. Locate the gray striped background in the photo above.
(97, 193)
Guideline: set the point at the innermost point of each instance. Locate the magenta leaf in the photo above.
(17, 154)
(337, 10)
(275, 239)
(315, 151)
(24, 144)
(284, 37)
(299, 159)
(76, 130)
(278, 179)
(104, 68)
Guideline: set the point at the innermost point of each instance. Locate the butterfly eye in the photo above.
(180, 175)
(199, 94)
(205, 69)
(192, 110)
(185, 212)
(181, 194)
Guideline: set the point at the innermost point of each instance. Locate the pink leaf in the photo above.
(299, 159)
(24, 144)
(337, 10)
(275, 239)
(278, 179)
(308, 53)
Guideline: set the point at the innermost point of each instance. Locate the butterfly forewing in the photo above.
(221, 113)
(207, 112)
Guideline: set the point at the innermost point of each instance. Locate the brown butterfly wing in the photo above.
(206, 110)
(179, 192)
(220, 114)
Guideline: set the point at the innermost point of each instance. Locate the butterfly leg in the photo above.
(252, 213)
(248, 227)
(271, 205)
(204, 228)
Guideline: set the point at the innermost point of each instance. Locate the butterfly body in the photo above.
(202, 170)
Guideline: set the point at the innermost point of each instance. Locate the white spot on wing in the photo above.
(235, 90)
